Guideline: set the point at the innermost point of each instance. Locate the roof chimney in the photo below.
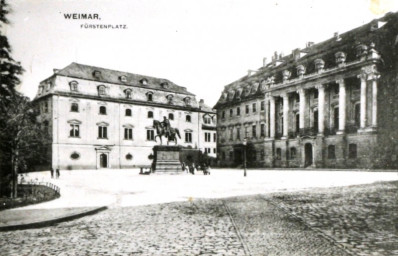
(264, 61)
(55, 71)
(309, 44)
(337, 36)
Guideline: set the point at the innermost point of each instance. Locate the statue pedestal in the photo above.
(167, 159)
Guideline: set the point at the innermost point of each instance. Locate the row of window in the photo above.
(128, 93)
(247, 110)
(74, 132)
(208, 150)
(292, 153)
(331, 152)
(76, 156)
(247, 132)
(208, 137)
(128, 112)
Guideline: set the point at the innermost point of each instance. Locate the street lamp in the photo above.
(244, 157)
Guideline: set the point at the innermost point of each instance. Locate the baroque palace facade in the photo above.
(331, 104)
(101, 118)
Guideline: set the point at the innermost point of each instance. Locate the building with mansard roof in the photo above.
(331, 104)
(101, 118)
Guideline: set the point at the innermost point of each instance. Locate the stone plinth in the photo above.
(167, 159)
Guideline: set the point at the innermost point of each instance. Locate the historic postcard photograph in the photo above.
(187, 127)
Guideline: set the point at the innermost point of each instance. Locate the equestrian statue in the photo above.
(164, 129)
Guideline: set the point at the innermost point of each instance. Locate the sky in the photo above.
(202, 45)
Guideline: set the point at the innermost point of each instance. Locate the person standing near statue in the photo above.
(166, 126)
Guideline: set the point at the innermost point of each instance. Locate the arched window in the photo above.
(73, 86)
(188, 118)
(101, 90)
(102, 110)
(187, 101)
(74, 107)
(150, 114)
(127, 93)
(171, 116)
(149, 97)
(128, 112)
(293, 153)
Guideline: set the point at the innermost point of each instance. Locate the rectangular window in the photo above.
(102, 132)
(262, 106)
(262, 154)
(254, 131)
(238, 111)
(352, 151)
(45, 107)
(231, 134)
(238, 133)
(254, 107)
(262, 131)
(150, 135)
(231, 112)
(207, 136)
(128, 133)
(247, 109)
(223, 115)
(214, 150)
(74, 107)
(188, 137)
(331, 152)
(74, 130)
(293, 153)
(278, 154)
(214, 137)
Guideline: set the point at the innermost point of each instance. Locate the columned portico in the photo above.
(302, 108)
(272, 116)
(285, 98)
(373, 78)
(342, 106)
(362, 123)
(321, 109)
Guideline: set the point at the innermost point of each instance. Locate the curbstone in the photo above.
(50, 222)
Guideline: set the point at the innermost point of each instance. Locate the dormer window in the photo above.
(123, 79)
(165, 85)
(48, 86)
(101, 90)
(169, 99)
(144, 81)
(127, 93)
(73, 86)
(97, 74)
(187, 101)
(40, 89)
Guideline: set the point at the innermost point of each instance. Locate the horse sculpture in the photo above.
(161, 131)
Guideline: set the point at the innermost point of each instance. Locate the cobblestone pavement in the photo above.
(364, 218)
(203, 227)
(198, 228)
(357, 220)
(268, 230)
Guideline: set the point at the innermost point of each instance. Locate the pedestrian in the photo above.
(52, 173)
(57, 173)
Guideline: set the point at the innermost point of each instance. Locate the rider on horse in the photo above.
(166, 126)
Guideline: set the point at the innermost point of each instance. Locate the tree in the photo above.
(24, 139)
(20, 133)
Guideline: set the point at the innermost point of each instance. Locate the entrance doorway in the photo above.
(103, 161)
(308, 154)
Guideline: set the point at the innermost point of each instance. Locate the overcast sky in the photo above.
(202, 45)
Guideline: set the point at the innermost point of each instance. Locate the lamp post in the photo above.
(244, 157)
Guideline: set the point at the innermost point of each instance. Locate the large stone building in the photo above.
(331, 104)
(101, 118)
